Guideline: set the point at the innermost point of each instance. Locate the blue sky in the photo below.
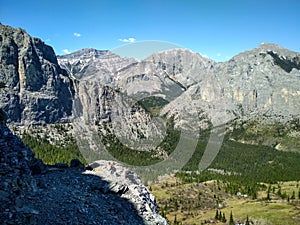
(217, 28)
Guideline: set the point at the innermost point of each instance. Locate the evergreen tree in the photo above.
(175, 220)
(293, 195)
(254, 195)
(268, 195)
(299, 194)
(220, 216)
(279, 192)
(231, 221)
(223, 218)
(247, 221)
(217, 215)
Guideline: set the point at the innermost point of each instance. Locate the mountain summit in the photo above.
(93, 85)
(96, 85)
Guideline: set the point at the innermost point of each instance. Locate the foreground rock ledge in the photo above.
(108, 193)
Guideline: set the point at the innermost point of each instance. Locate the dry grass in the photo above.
(276, 211)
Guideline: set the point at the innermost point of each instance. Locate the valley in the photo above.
(159, 116)
(197, 203)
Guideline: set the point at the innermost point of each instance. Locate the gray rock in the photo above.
(71, 196)
(128, 184)
(92, 64)
(15, 179)
(38, 90)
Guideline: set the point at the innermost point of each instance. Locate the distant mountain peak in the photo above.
(85, 53)
(179, 51)
(269, 45)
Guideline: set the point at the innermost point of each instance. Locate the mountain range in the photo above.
(100, 87)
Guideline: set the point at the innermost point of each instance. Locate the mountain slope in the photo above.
(38, 90)
(101, 65)
(104, 91)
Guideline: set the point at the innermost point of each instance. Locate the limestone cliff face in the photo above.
(264, 80)
(92, 64)
(97, 104)
(38, 90)
(104, 86)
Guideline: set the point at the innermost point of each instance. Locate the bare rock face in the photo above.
(129, 185)
(38, 90)
(116, 113)
(182, 65)
(92, 64)
(264, 80)
(15, 178)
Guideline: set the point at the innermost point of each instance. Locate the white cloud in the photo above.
(66, 51)
(128, 40)
(77, 34)
(219, 54)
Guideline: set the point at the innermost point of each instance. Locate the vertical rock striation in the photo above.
(38, 90)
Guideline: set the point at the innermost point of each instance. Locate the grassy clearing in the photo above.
(196, 203)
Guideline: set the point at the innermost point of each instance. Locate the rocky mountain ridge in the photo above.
(38, 90)
(94, 64)
(34, 193)
(99, 87)
(252, 80)
(260, 81)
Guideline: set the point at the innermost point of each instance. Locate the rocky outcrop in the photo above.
(37, 89)
(15, 178)
(32, 193)
(262, 82)
(183, 66)
(129, 185)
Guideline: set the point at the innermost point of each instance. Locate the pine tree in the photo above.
(279, 192)
(299, 194)
(175, 220)
(231, 221)
(224, 218)
(220, 215)
(247, 221)
(217, 215)
(254, 195)
(293, 195)
(268, 195)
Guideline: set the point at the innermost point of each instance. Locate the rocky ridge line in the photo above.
(33, 193)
